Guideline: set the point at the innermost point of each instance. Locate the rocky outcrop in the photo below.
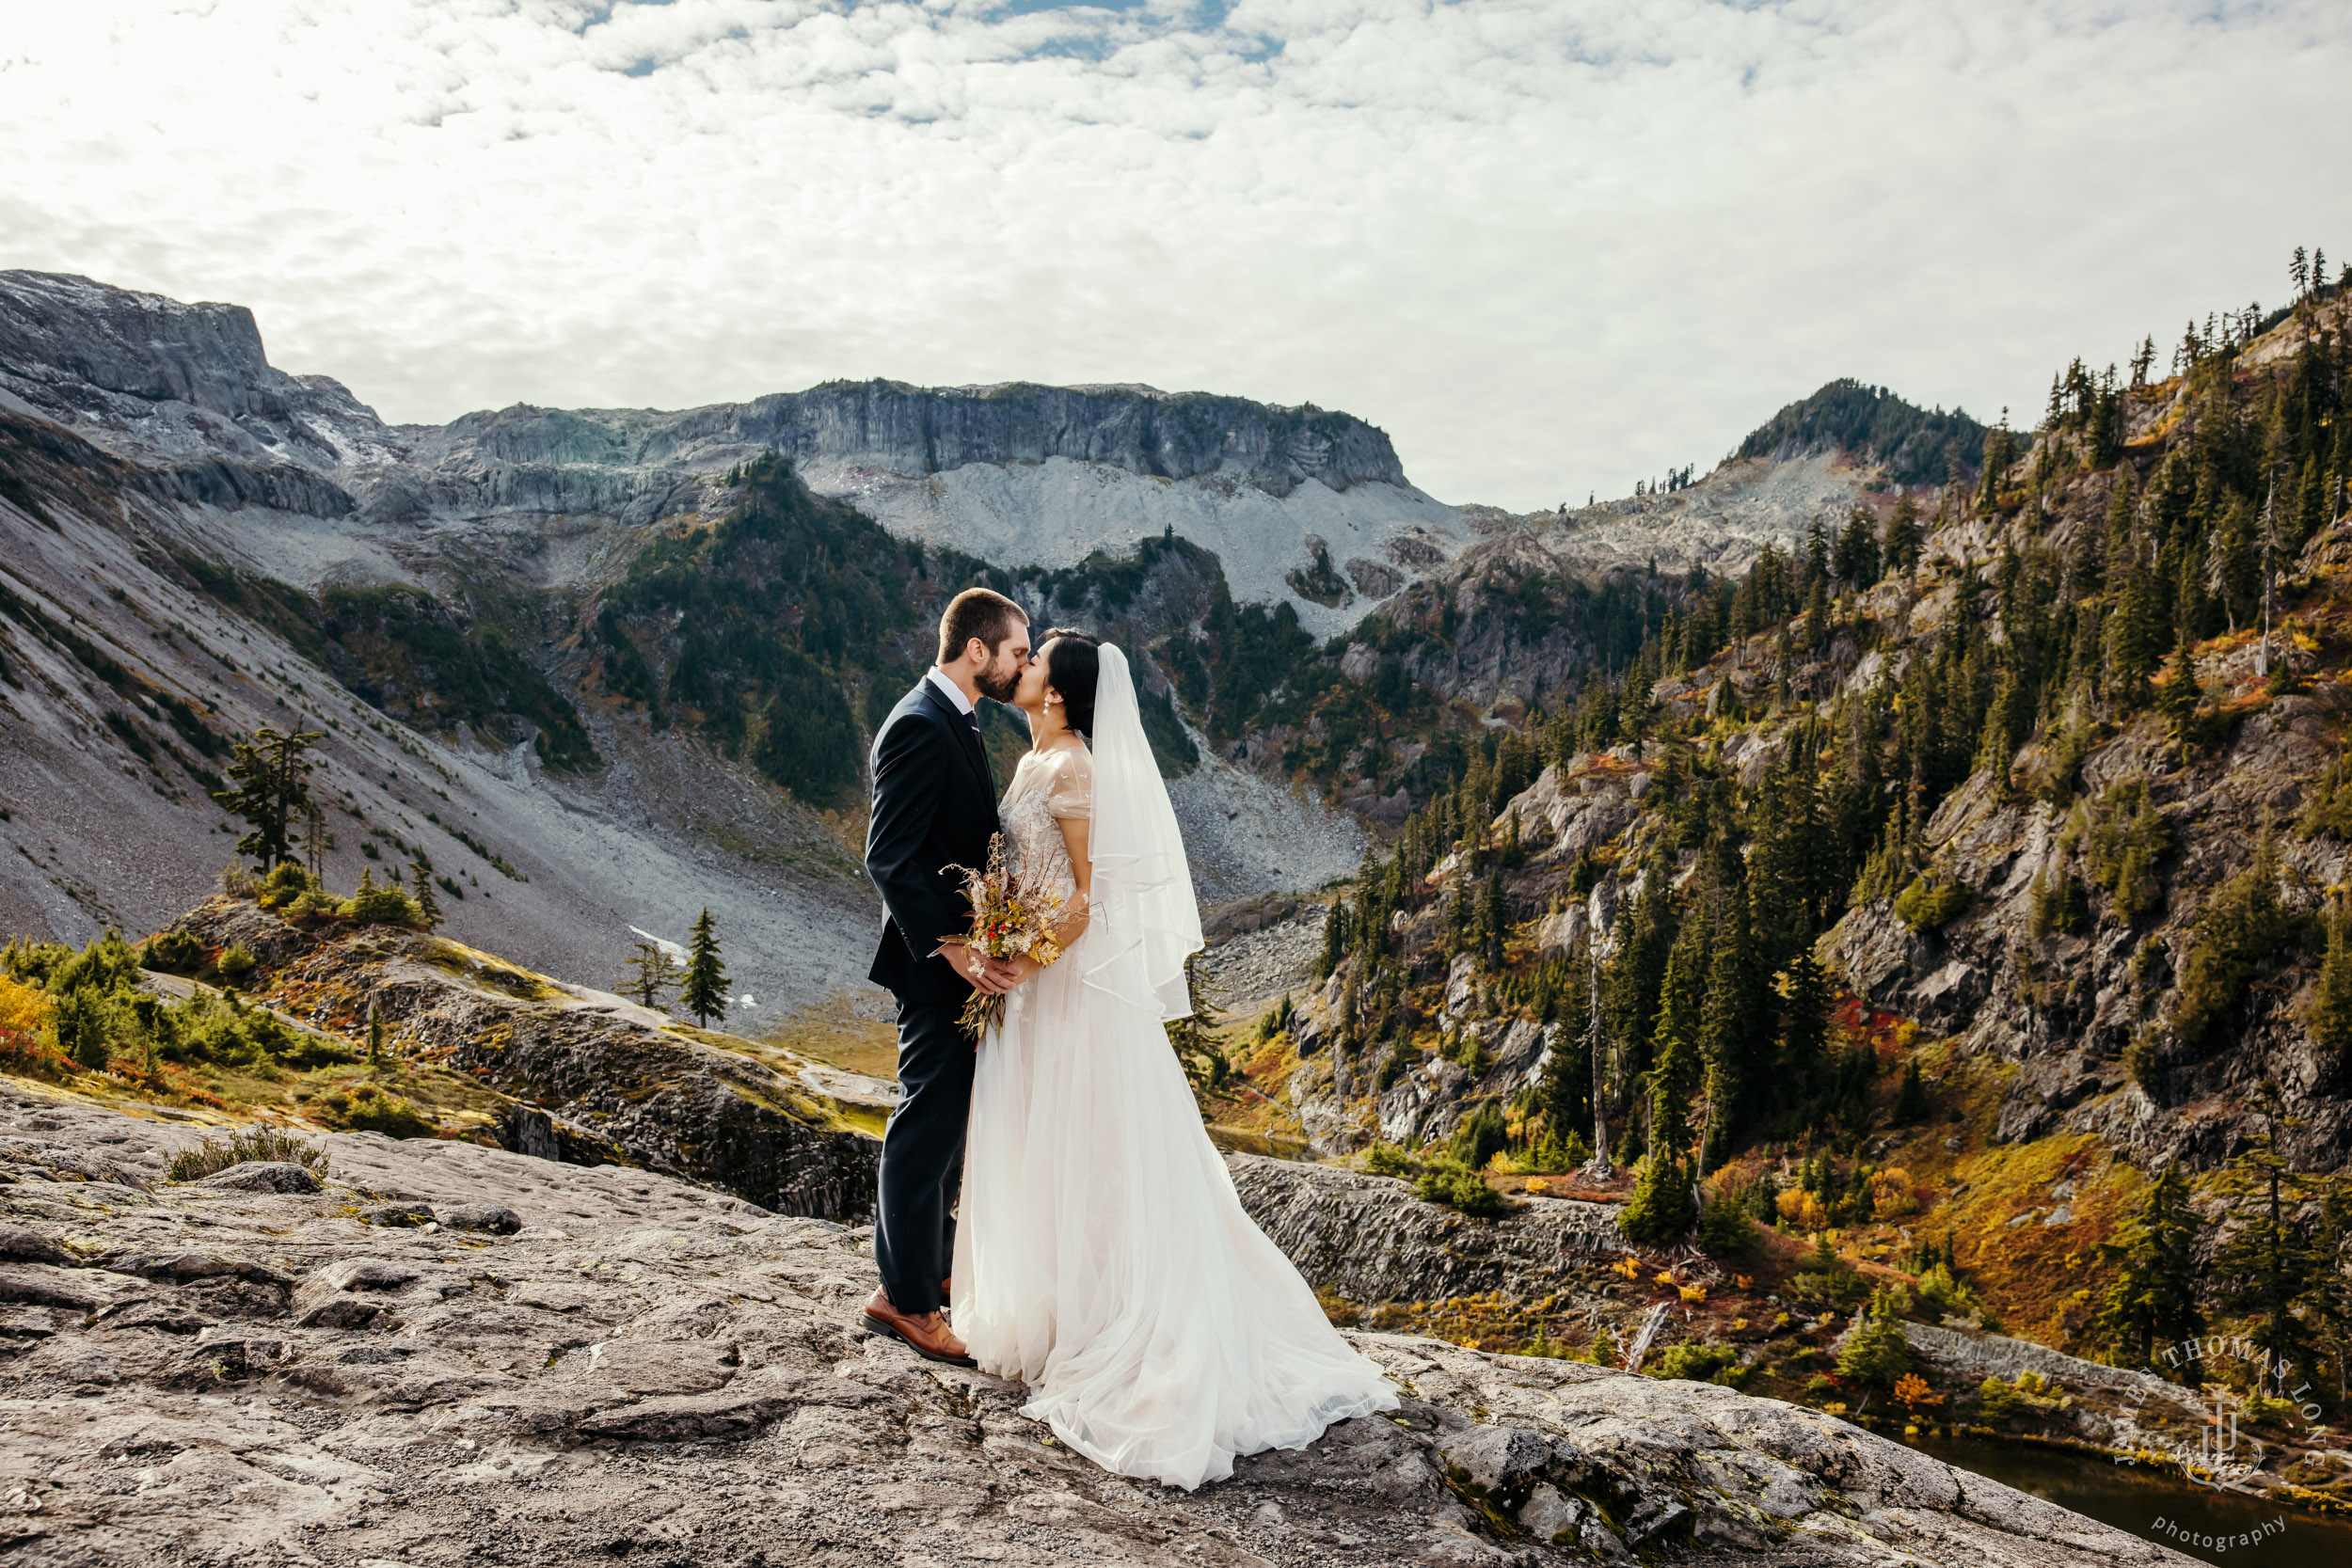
(644, 1368)
(1369, 1240)
(610, 1080)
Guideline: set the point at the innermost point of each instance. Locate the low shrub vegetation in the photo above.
(265, 1144)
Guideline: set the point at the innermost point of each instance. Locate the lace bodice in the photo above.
(1046, 787)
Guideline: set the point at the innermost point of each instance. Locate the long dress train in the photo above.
(1102, 1255)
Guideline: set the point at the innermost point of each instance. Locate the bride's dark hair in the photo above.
(1071, 666)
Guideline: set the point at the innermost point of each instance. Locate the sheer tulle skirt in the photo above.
(1102, 1258)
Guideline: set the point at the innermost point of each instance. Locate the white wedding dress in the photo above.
(1102, 1256)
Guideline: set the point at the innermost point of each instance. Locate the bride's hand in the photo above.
(1023, 966)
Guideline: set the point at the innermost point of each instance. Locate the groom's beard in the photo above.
(998, 686)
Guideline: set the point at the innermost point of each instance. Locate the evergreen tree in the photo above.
(1494, 919)
(2329, 1302)
(2268, 1266)
(1878, 1350)
(1903, 536)
(386, 904)
(1660, 1207)
(1728, 1026)
(1805, 1012)
(702, 990)
(1673, 1079)
(1911, 1101)
(2176, 699)
(428, 907)
(1630, 982)
(272, 774)
(1855, 559)
(2152, 1298)
(1725, 1228)
(2329, 1017)
(2238, 932)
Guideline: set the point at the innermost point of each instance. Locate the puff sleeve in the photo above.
(1071, 793)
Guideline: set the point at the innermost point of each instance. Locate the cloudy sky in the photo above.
(1551, 247)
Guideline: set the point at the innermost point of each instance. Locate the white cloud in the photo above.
(1549, 247)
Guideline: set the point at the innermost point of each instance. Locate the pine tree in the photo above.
(428, 907)
(2268, 1264)
(1660, 1208)
(1855, 560)
(704, 991)
(2153, 1297)
(1727, 1021)
(1878, 1350)
(1494, 920)
(1903, 536)
(2238, 932)
(1806, 1019)
(1673, 1078)
(1911, 1101)
(2329, 1017)
(2176, 699)
(273, 774)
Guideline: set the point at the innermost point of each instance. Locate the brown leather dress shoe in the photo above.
(928, 1336)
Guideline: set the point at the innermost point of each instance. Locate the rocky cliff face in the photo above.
(1070, 470)
(443, 1351)
(2066, 1007)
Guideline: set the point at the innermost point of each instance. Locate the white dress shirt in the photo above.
(938, 677)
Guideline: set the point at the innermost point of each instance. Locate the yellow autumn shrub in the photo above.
(1891, 1193)
(1802, 1210)
(22, 1008)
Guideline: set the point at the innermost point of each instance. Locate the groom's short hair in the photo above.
(980, 612)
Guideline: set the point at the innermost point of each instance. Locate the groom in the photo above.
(934, 807)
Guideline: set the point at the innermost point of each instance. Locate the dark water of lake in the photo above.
(2134, 1498)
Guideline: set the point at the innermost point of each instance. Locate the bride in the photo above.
(1102, 1256)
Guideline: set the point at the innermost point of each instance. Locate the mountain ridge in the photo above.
(462, 579)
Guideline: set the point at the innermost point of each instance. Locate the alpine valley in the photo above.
(1720, 990)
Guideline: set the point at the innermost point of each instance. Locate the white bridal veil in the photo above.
(1143, 901)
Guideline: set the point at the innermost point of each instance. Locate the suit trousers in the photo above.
(922, 1155)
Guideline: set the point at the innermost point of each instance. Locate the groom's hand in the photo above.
(992, 975)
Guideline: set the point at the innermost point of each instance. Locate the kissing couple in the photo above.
(1102, 1257)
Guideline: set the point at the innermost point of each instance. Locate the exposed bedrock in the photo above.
(642, 1369)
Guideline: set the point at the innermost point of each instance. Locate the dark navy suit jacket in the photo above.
(934, 807)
